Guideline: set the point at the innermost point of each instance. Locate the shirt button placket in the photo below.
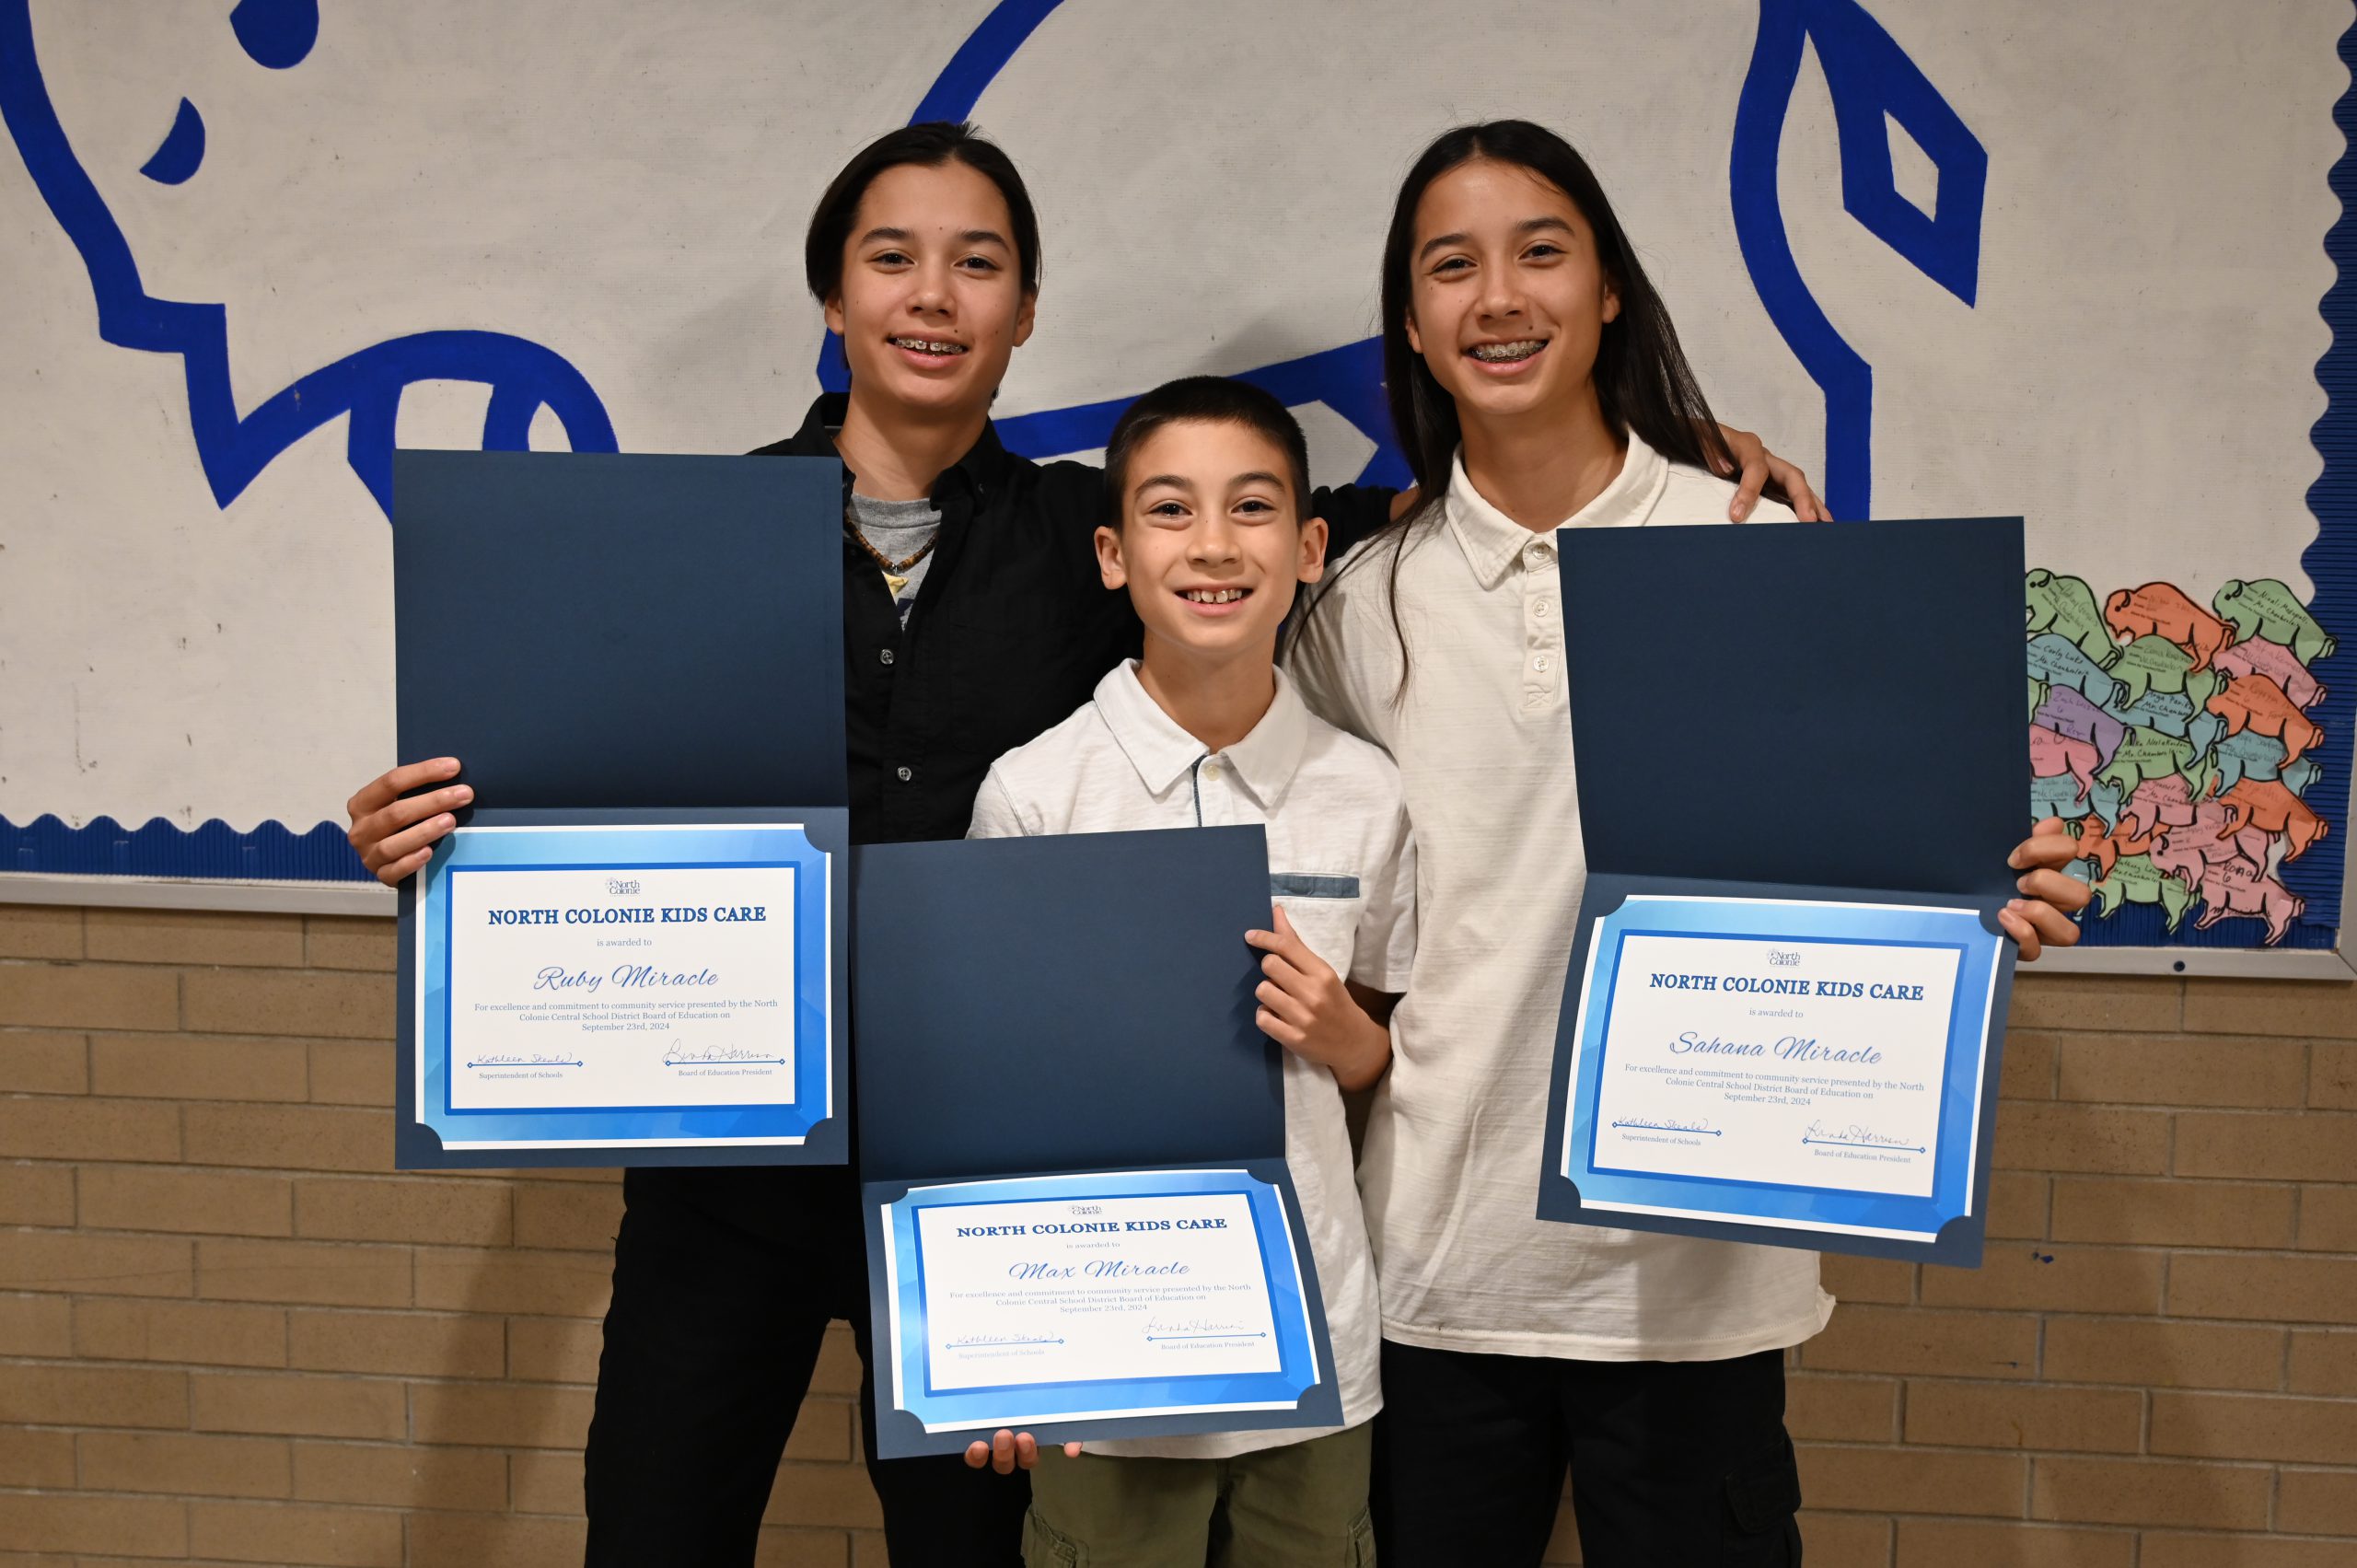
(1542, 632)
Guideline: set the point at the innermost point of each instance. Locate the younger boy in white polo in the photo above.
(1206, 478)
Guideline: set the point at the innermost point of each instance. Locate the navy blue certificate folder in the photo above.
(1071, 1015)
(620, 648)
(1797, 745)
(593, 630)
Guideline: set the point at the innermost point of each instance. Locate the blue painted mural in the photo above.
(522, 377)
(1876, 90)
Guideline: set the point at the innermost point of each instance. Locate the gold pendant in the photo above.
(895, 583)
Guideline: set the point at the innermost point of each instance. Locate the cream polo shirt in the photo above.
(1342, 865)
(1481, 734)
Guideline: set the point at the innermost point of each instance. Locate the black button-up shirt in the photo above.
(1012, 629)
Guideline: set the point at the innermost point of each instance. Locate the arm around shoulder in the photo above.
(1351, 513)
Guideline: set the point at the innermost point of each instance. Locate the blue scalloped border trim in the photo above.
(2331, 561)
(216, 851)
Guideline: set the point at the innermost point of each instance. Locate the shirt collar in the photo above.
(1492, 541)
(1162, 753)
(979, 470)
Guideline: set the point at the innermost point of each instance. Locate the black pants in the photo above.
(1674, 1464)
(724, 1283)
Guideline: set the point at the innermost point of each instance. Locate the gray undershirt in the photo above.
(897, 529)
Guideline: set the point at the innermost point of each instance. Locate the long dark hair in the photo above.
(930, 144)
(1642, 377)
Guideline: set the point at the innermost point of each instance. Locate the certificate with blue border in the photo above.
(1813, 1068)
(1131, 1293)
(637, 987)
(635, 952)
(1784, 1011)
(1080, 1218)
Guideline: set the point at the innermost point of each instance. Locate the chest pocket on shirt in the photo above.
(1325, 910)
(1307, 885)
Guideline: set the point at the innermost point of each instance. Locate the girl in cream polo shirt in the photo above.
(1537, 382)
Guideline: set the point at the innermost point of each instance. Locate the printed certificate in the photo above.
(1079, 1217)
(1790, 1064)
(1153, 1293)
(638, 985)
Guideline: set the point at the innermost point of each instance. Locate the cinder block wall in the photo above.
(230, 1334)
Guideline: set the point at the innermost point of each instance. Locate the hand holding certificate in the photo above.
(1080, 1218)
(1784, 1016)
(636, 957)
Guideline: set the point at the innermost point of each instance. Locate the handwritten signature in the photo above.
(1855, 1134)
(980, 1342)
(1194, 1325)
